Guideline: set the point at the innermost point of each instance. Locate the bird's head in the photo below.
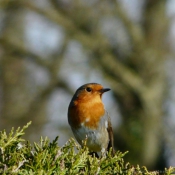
(91, 92)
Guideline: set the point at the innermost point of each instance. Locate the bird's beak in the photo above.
(104, 90)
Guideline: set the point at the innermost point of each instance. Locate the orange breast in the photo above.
(85, 113)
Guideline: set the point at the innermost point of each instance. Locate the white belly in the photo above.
(97, 139)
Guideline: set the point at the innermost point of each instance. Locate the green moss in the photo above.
(18, 156)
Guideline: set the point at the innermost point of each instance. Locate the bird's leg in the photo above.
(103, 152)
(94, 153)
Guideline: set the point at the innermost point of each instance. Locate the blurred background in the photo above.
(48, 48)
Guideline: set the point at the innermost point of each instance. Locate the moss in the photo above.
(18, 156)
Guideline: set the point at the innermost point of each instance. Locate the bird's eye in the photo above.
(88, 89)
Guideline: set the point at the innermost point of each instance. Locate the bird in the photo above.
(89, 120)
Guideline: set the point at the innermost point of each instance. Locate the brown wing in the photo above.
(111, 137)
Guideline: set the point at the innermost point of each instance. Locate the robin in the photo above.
(89, 120)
